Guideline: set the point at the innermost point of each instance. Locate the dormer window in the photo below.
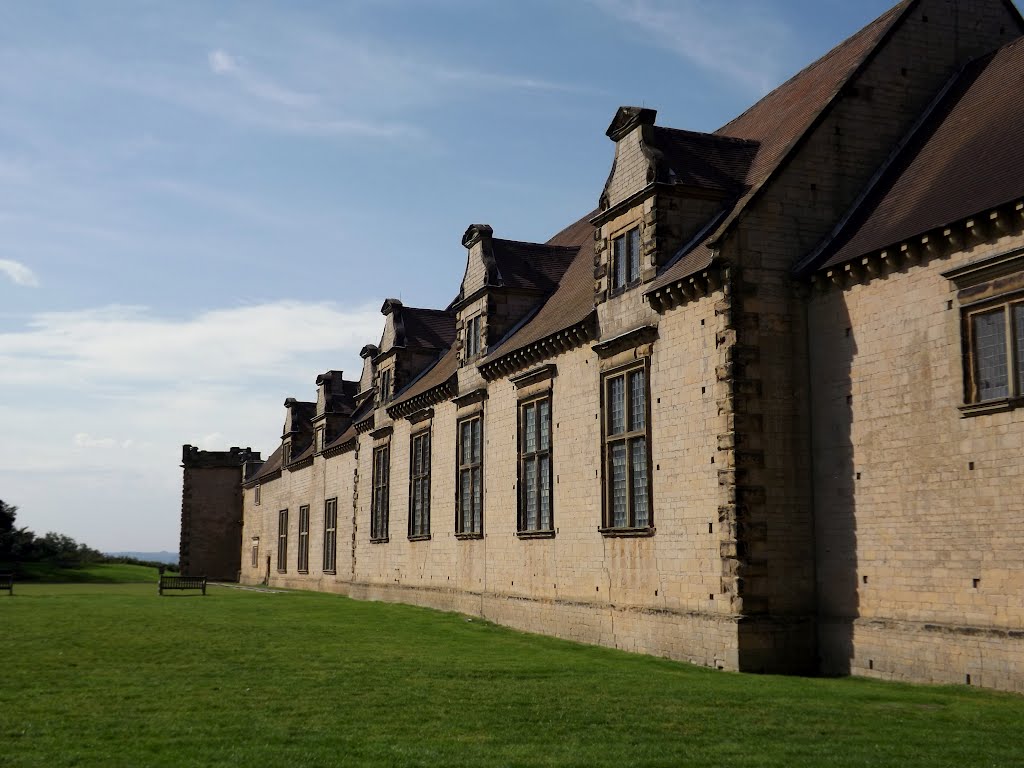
(385, 386)
(626, 260)
(319, 439)
(473, 342)
(286, 455)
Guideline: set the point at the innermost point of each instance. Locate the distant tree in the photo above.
(21, 545)
(15, 543)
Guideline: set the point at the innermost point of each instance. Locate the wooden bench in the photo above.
(7, 582)
(182, 582)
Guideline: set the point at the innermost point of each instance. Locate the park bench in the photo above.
(7, 582)
(182, 582)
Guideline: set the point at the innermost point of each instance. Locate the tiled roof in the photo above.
(573, 300)
(271, 466)
(780, 120)
(442, 370)
(968, 158)
(428, 328)
(704, 160)
(531, 266)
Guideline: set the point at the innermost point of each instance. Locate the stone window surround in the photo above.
(533, 387)
(473, 333)
(318, 439)
(380, 487)
(303, 553)
(330, 554)
(422, 434)
(623, 234)
(256, 494)
(987, 285)
(474, 412)
(282, 541)
(618, 355)
(254, 549)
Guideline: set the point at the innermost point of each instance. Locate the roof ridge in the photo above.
(715, 136)
(889, 17)
(530, 242)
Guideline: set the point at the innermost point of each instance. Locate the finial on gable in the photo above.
(477, 233)
(390, 305)
(628, 118)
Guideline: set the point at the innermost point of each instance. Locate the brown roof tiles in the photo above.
(968, 158)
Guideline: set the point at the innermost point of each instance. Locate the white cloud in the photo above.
(18, 272)
(120, 345)
(738, 41)
(117, 390)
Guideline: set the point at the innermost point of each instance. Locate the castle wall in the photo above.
(211, 513)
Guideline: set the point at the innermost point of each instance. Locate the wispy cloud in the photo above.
(18, 273)
(739, 41)
(223, 63)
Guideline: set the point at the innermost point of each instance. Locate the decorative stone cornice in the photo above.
(470, 398)
(544, 349)
(432, 396)
(534, 376)
(645, 334)
(937, 243)
(685, 289)
(365, 425)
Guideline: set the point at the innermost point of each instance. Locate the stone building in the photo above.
(758, 410)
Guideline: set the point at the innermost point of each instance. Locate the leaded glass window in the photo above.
(627, 479)
(535, 500)
(419, 485)
(469, 507)
(381, 486)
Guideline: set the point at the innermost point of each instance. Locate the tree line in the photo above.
(20, 545)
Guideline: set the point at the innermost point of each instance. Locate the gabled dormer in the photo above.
(666, 187)
(504, 282)
(297, 436)
(335, 402)
(413, 339)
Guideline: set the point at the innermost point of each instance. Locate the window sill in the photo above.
(304, 573)
(385, 540)
(330, 573)
(535, 534)
(627, 533)
(991, 406)
(420, 537)
(280, 571)
(468, 536)
(613, 292)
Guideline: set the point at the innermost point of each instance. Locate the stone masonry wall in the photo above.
(920, 512)
(796, 210)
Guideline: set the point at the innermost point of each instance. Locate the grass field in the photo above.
(117, 676)
(92, 573)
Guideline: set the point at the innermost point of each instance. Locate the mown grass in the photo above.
(117, 676)
(90, 573)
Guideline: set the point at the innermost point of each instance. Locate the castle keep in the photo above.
(760, 410)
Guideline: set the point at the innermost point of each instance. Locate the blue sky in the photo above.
(203, 205)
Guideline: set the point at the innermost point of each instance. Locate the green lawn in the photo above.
(95, 573)
(117, 676)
